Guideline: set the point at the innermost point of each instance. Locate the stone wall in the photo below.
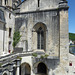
(50, 20)
(0, 2)
(10, 23)
(43, 5)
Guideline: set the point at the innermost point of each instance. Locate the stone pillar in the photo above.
(64, 35)
(11, 72)
(18, 61)
(1, 69)
(18, 70)
(10, 69)
(50, 72)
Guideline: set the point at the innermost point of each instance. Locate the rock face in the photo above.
(43, 26)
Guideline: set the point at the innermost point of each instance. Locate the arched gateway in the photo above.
(41, 69)
(5, 74)
(25, 69)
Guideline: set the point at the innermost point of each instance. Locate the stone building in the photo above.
(6, 30)
(43, 26)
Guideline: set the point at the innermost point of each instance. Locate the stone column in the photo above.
(1, 69)
(18, 66)
(50, 72)
(11, 72)
(10, 69)
(18, 70)
(64, 36)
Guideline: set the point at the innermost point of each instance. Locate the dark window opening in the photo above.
(42, 68)
(10, 15)
(38, 3)
(6, 1)
(70, 64)
(40, 38)
(9, 47)
(10, 29)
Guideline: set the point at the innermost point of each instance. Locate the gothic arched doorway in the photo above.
(42, 69)
(25, 69)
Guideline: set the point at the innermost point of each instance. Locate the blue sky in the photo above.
(22, 0)
(71, 4)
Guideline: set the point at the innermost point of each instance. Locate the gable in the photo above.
(29, 5)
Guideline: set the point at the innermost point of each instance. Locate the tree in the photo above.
(16, 38)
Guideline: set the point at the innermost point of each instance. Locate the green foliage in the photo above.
(1, 64)
(16, 38)
(71, 46)
(72, 36)
(46, 55)
(34, 54)
(18, 57)
(42, 56)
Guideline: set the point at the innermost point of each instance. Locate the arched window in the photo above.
(40, 38)
(42, 69)
(39, 34)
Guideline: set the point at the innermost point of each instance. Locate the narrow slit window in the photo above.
(9, 47)
(6, 1)
(10, 29)
(38, 3)
(10, 15)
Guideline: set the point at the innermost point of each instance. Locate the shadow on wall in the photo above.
(50, 64)
(18, 50)
(19, 22)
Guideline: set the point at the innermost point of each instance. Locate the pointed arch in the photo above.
(39, 24)
(5, 74)
(39, 31)
(42, 68)
(25, 69)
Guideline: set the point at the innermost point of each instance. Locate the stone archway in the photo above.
(25, 69)
(5, 74)
(41, 69)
